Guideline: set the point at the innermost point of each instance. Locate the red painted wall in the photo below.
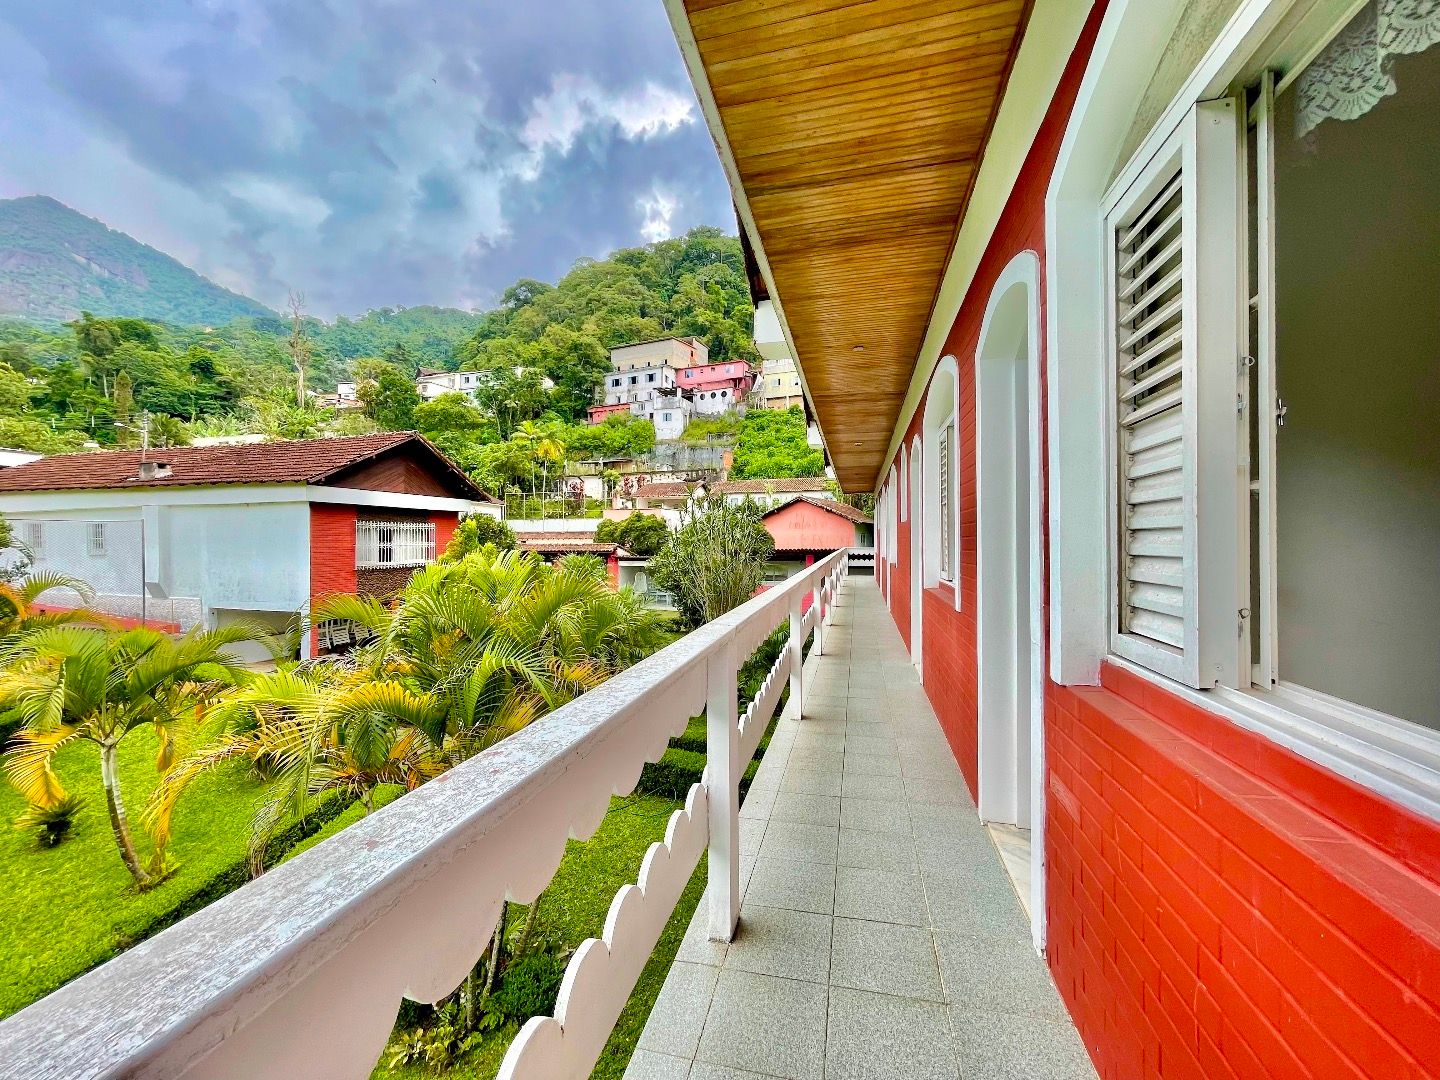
(1217, 906)
(445, 525)
(1220, 907)
(332, 552)
(803, 526)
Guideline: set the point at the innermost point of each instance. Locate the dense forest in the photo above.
(544, 351)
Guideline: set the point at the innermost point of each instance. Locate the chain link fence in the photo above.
(108, 555)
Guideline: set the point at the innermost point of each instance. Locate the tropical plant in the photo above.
(79, 683)
(640, 534)
(716, 560)
(475, 532)
(469, 652)
(51, 823)
(20, 612)
(330, 727)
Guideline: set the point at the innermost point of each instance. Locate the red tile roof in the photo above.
(306, 461)
(664, 489)
(779, 486)
(844, 510)
(566, 544)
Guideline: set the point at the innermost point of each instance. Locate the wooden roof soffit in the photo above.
(851, 134)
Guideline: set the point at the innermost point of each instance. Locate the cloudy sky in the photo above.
(365, 152)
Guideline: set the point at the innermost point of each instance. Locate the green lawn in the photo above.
(573, 908)
(71, 907)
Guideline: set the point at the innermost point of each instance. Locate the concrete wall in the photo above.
(196, 558)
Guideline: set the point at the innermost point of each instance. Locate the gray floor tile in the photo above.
(880, 895)
(997, 973)
(806, 809)
(877, 1035)
(877, 851)
(1007, 1047)
(781, 942)
(703, 1070)
(818, 760)
(979, 903)
(885, 958)
(696, 946)
(872, 765)
(785, 883)
(934, 766)
(801, 843)
(751, 832)
(862, 786)
(937, 791)
(775, 1027)
(874, 815)
(680, 1010)
(880, 745)
(648, 1065)
(758, 802)
(810, 781)
(953, 851)
(928, 817)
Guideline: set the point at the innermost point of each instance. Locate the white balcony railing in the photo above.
(300, 973)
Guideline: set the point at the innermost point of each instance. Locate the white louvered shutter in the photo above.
(1175, 349)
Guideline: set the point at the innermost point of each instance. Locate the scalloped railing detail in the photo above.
(604, 971)
(301, 972)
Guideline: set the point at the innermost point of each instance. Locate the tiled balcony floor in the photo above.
(879, 934)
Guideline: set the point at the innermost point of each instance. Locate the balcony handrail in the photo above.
(301, 972)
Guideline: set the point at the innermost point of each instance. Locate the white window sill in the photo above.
(1394, 758)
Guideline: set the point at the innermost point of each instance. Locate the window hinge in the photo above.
(1280, 410)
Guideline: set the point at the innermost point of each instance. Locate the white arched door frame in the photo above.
(1010, 561)
(917, 551)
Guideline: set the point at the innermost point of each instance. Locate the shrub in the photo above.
(475, 532)
(529, 986)
(640, 534)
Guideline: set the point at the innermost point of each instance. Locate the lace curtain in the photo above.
(1353, 74)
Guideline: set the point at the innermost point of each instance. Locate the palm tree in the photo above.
(468, 653)
(80, 683)
(19, 601)
(545, 447)
(327, 727)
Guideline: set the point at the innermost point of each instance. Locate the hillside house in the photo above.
(204, 535)
(717, 388)
(671, 352)
(807, 528)
(1126, 764)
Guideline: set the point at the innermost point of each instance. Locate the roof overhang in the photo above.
(851, 137)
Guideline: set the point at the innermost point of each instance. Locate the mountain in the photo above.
(55, 262)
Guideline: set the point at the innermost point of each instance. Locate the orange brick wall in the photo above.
(332, 552)
(1220, 908)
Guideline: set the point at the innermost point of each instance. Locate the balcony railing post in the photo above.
(722, 743)
(819, 595)
(795, 645)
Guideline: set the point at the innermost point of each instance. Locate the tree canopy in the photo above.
(772, 445)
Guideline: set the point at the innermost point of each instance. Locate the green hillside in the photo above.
(55, 262)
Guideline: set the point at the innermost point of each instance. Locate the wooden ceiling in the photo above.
(856, 129)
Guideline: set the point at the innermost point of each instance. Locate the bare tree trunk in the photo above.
(110, 779)
(496, 945)
(529, 925)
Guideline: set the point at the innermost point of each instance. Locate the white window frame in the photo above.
(1397, 759)
(409, 544)
(1204, 148)
(35, 536)
(941, 414)
(95, 540)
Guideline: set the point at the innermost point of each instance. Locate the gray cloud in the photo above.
(368, 153)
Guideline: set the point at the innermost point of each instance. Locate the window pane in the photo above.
(1358, 332)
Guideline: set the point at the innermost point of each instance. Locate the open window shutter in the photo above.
(1176, 351)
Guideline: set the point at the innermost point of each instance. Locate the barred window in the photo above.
(394, 543)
